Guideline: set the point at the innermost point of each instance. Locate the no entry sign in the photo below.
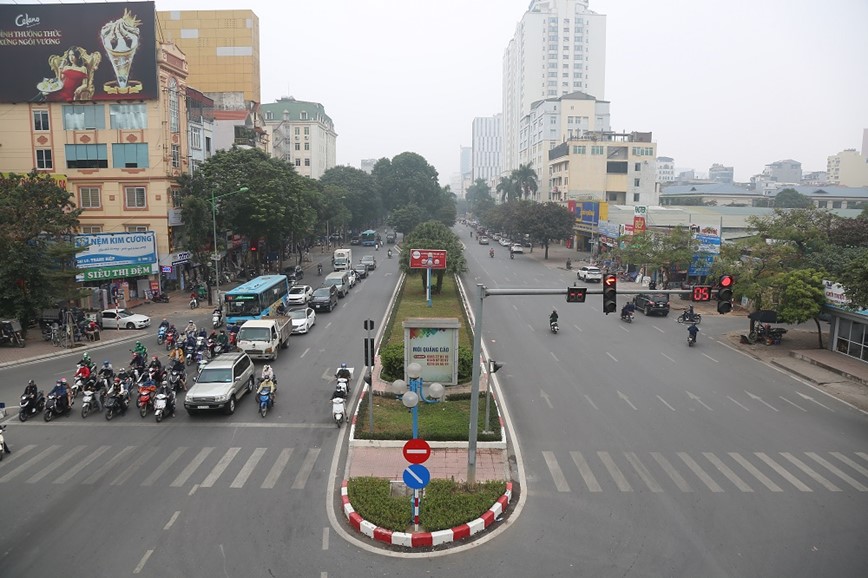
(417, 451)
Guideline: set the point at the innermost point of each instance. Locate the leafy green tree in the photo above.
(37, 267)
(406, 218)
(854, 277)
(477, 193)
(792, 199)
(508, 189)
(666, 252)
(525, 179)
(801, 296)
(849, 232)
(407, 179)
(434, 235)
(360, 194)
(546, 222)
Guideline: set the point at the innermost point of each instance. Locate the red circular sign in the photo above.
(416, 451)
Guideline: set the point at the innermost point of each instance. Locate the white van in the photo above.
(341, 281)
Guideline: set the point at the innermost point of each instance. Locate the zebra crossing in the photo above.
(174, 467)
(685, 472)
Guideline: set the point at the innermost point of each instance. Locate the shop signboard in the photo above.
(116, 250)
(115, 272)
(708, 244)
(433, 344)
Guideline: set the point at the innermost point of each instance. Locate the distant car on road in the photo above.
(650, 303)
(391, 238)
(299, 295)
(370, 261)
(517, 248)
(114, 318)
(483, 240)
(361, 271)
(589, 273)
(355, 241)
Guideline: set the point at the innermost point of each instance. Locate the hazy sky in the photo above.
(743, 82)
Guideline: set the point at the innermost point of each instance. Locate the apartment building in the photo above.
(848, 168)
(665, 169)
(302, 134)
(487, 149)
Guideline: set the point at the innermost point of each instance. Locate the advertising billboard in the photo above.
(433, 344)
(424, 258)
(116, 250)
(78, 52)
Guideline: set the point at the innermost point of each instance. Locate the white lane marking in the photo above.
(809, 398)
(755, 472)
(131, 469)
(191, 467)
(671, 472)
(624, 329)
(577, 327)
(643, 472)
(835, 470)
(627, 399)
(615, 472)
(249, 465)
(70, 473)
(695, 398)
(862, 455)
(667, 357)
(666, 404)
(761, 400)
(103, 469)
(851, 463)
(514, 307)
(193, 489)
(700, 473)
(792, 404)
(737, 403)
(21, 451)
(658, 329)
(590, 401)
(305, 352)
(556, 472)
(531, 327)
(306, 469)
(47, 451)
(814, 475)
(711, 358)
(726, 471)
(552, 353)
(612, 356)
(277, 468)
(143, 561)
(161, 469)
(547, 399)
(172, 520)
(221, 466)
(325, 538)
(783, 472)
(56, 464)
(585, 471)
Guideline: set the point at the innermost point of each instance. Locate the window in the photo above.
(128, 116)
(307, 162)
(136, 228)
(298, 162)
(135, 198)
(174, 111)
(580, 150)
(553, 74)
(195, 138)
(208, 144)
(269, 115)
(635, 182)
(307, 146)
(176, 156)
(307, 130)
(90, 229)
(298, 146)
(92, 156)
(596, 150)
(43, 159)
(836, 204)
(635, 197)
(297, 131)
(89, 197)
(129, 156)
(83, 116)
(40, 120)
(637, 167)
(616, 167)
(177, 198)
(303, 116)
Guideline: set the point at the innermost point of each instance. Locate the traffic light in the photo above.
(724, 294)
(576, 294)
(701, 293)
(610, 293)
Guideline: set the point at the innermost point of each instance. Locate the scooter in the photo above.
(569, 265)
(511, 255)
(691, 340)
(162, 406)
(3, 448)
(52, 410)
(685, 317)
(114, 405)
(175, 381)
(343, 385)
(87, 401)
(491, 253)
(170, 341)
(338, 410)
(160, 298)
(390, 253)
(146, 398)
(194, 303)
(553, 326)
(161, 335)
(266, 401)
(627, 318)
(189, 354)
(30, 405)
(216, 320)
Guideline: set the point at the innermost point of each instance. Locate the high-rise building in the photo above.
(559, 47)
(302, 134)
(848, 168)
(786, 171)
(720, 174)
(487, 148)
(665, 169)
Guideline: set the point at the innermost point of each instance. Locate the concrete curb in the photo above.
(72, 351)
(425, 539)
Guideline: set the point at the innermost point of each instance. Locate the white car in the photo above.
(303, 318)
(113, 318)
(590, 273)
(299, 295)
(517, 248)
(504, 242)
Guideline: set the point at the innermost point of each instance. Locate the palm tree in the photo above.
(525, 179)
(508, 189)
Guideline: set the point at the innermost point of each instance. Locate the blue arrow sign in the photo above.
(416, 476)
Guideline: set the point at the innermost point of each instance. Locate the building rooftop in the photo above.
(315, 111)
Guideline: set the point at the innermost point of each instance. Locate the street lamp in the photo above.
(216, 255)
(411, 397)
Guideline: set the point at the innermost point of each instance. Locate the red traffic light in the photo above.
(610, 280)
(726, 281)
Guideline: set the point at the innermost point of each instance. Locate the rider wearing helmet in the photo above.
(268, 379)
(62, 391)
(107, 370)
(31, 388)
(141, 349)
(553, 318)
(343, 372)
(155, 363)
(191, 328)
(164, 323)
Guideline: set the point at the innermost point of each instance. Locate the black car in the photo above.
(361, 271)
(324, 298)
(650, 303)
(295, 273)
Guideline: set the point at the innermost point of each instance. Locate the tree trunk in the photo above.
(439, 285)
(819, 332)
(547, 249)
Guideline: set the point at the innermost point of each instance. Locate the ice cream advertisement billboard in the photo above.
(78, 52)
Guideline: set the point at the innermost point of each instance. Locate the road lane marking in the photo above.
(612, 356)
(556, 472)
(277, 468)
(249, 465)
(711, 358)
(615, 472)
(726, 471)
(306, 469)
(544, 395)
(792, 404)
(696, 398)
(221, 466)
(325, 538)
(835, 470)
(851, 463)
(131, 469)
(143, 561)
(700, 473)
(862, 455)
(578, 328)
(624, 329)
(70, 473)
(671, 472)
(590, 401)
(643, 472)
(761, 400)
(666, 404)
(658, 329)
(104, 469)
(809, 398)
(56, 464)
(304, 352)
(193, 489)
(552, 353)
(783, 472)
(627, 399)
(20, 452)
(172, 520)
(737, 403)
(667, 357)
(585, 471)
(814, 475)
(46, 452)
(764, 480)
(191, 467)
(161, 469)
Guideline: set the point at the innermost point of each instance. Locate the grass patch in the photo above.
(412, 303)
(448, 420)
(445, 503)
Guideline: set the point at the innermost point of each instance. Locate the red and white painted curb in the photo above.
(425, 539)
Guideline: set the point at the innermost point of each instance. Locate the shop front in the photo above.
(118, 269)
(849, 326)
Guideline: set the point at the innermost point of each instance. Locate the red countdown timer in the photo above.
(702, 292)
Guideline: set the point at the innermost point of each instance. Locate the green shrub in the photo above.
(370, 498)
(392, 359)
(465, 364)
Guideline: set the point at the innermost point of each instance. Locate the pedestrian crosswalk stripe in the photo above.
(556, 472)
(306, 469)
(137, 463)
(643, 472)
(14, 473)
(55, 464)
(764, 480)
(616, 474)
(191, 467)
(805, 468)
(700, 473)
(103, 469)
(783, 472)
(671, 472)
(71, 472)
(851, 463)
(724, 469)
(835, 470)
(165, 465)
(277, 468)
(585, 472)
(20, 452)
(862, 455)
(221, 466)
(245, 472)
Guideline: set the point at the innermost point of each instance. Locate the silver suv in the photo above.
(220, 383)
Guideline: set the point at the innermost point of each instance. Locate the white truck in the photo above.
(342, 260)
(264, 338)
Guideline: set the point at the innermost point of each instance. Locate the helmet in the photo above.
(190, 322)
(155, 358)
(86, 356)
(165, 383)
(31, 382)
(63, 380)
(117, 380)
(266, 368)
(343, 365)
(106, 363)
(122, 372)
(138, 343)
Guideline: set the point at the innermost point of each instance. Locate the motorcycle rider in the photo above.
(627, 310)
(390, 253)
(178, 365)
(268, 375)
(155, 364)
(569, 263)
(31, 389)
(223, 340)
(689, 315)
(138, 362)
(692, 331)
(170, 397)
(553, 318)
(95, 386)
(343, 372)
(219, 313)
(164, 323)
(319, 268)
(191, 328)
(263, 383)
(177, 353)
(118, 388)
(141, 349)
(83, 372)
(86, 360)
(62, 392)
(491, 252)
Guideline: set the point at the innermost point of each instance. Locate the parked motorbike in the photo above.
(339, 410)
(765, 333)
(114, 404)
(53, 409)
(266, 401)
(553, 326)
(160, 298)
(685, 317)
(30, 405)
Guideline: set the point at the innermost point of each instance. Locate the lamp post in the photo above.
(216, 255)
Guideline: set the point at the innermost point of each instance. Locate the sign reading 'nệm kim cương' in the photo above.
(101, 250)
